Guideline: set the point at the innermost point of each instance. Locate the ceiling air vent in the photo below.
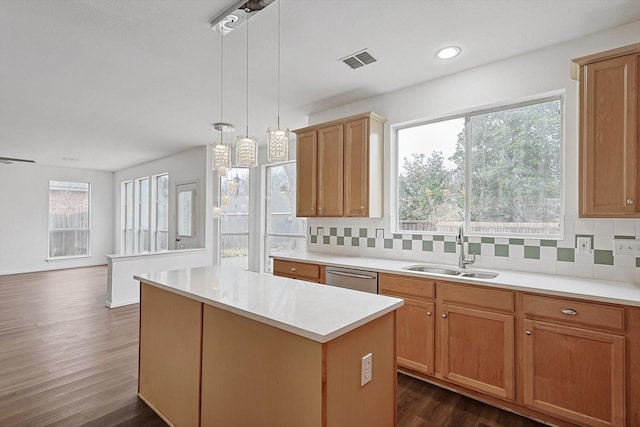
(359, 59)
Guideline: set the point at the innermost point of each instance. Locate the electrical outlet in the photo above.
(366, 369)
(584, 245)
(320, 231)
(379, 233)
(627, 247)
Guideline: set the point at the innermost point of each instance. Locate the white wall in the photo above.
(542, 72)
(514, 79)
(24, 210)
(185, 166)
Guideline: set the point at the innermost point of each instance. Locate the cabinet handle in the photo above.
(294, 269)
(569, 311)
(629, 201)
(528, 332)
(428, 313)
(444, 315)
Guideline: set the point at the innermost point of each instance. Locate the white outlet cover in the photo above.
(584, 245)
(366, 370)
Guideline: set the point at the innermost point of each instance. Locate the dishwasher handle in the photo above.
(353, 275)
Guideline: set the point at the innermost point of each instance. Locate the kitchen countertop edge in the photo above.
(562, 286)
(157, 280)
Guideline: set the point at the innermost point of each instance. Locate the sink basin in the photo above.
(430, 269)
(451, 272)
(479, 274)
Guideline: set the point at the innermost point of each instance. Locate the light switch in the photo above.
(584, 245)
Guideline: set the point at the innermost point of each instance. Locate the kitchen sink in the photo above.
(430, 269)
(451, 272)
(479, 274)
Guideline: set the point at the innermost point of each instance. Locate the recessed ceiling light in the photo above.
(448, 52)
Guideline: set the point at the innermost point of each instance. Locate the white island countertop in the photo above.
(317, 312)
(573, 287)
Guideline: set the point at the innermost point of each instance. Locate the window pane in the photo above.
(162, 212)
(185, 213)
(515, 170)
(142, 193)
(234, 201)
(283, 245)
(281, 201)
(431, 176)
(68, 219)
(281, 220)
(127, 232)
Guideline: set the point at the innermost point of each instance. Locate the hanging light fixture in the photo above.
(278, 139)
(247, 146)
(221, 149)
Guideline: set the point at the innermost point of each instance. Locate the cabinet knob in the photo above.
(313, 209)
(428, 313)
(444, 315)
(528, 332)
(629, 201)
(361, 207)
(569, 311)
(294, 269)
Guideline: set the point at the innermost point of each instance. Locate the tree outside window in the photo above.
(496, 171)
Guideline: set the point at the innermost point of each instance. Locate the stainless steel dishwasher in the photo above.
(359, 280)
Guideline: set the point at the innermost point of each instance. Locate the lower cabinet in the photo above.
(415, 320)
(571, 370)
(477, 338)
(307, 271)
(478, 350)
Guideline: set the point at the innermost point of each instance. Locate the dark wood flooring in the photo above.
(67, 360)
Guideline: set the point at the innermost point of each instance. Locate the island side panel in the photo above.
(256, 375)
(349, 403)
(170, 349)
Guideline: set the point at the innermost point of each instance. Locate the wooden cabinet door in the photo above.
(415, 329)
(306, 174)
(356, 168)
(575, 374)
(608, 153)
(478, 350)
(330, 171)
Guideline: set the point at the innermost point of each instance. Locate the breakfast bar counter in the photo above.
(222, 346)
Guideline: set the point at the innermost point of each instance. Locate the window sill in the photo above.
(67, 258)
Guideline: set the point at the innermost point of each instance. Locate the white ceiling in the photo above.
(114, 83)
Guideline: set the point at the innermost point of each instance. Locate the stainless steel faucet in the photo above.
(463, 260)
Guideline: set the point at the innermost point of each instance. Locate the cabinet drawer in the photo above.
(478, 296)
(573, 311)
(406, 285)
(297, 270)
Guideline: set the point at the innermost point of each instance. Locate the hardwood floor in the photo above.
(67, 360)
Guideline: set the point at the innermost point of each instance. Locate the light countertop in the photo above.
(320, 313)
(589, 289)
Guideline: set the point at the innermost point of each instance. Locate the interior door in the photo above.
(186, 218)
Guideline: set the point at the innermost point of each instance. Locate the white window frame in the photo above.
(394, 219)
(266, 267)
(88, 229)
(136, 214)
(154, 212)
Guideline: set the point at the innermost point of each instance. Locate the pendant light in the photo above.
(221, 149)
(278, 139)
(247, 146)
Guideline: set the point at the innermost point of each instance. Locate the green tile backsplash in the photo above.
(490, 251)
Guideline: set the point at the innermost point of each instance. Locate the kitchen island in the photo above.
(230, 347)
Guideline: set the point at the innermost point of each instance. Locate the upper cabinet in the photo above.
(339, 168)
(609, 120)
